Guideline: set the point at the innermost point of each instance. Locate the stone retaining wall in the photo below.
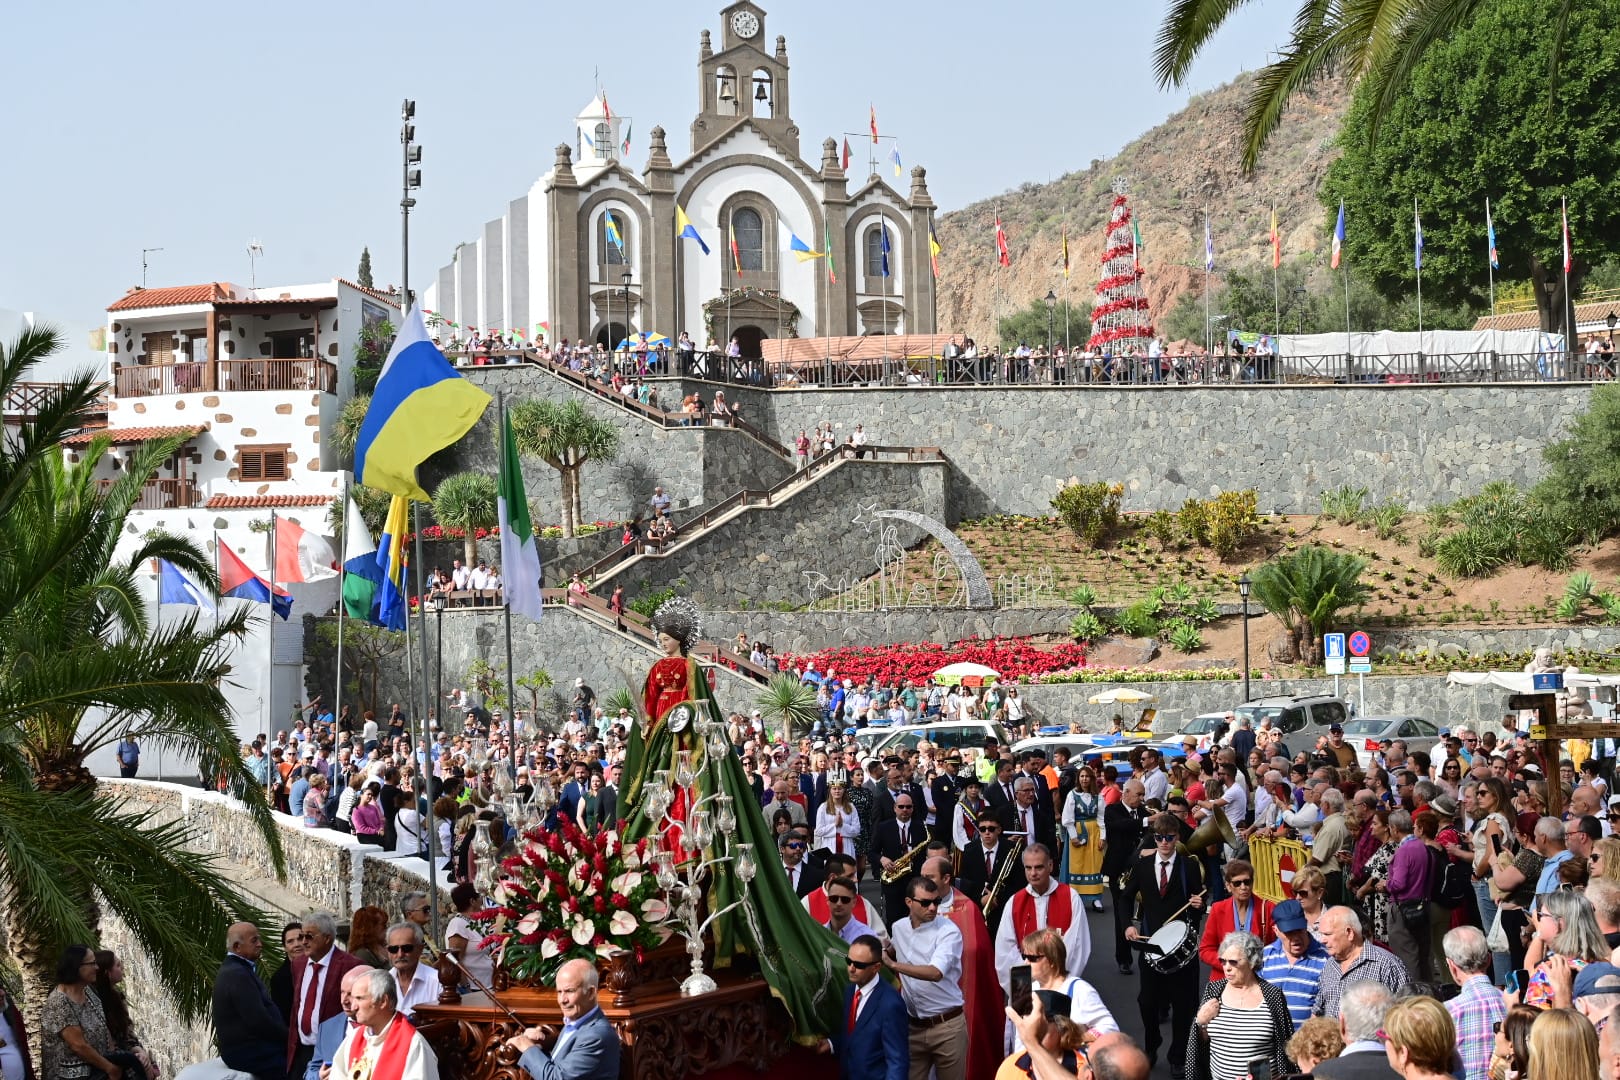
(1012, 447)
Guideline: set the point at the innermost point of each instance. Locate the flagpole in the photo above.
(506, 605)
(1208, 340)
(421, 635)
(270, 627)
(343, 549)
(1276, 288)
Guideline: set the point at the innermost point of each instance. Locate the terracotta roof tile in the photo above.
(255, 502)
(132, 434)
(1585, 315)
(375, 293)
(182, 294)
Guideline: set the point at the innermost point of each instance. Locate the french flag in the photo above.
(235, 579)
(302, 555)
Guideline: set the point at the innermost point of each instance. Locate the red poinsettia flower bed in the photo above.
(918, 661)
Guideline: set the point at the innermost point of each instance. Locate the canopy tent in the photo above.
(1518, 682)
(965, 674)
(1122, 696)
(1442, 349)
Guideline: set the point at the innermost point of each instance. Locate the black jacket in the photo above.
(1124, 828)
(1366, 1065)
(976, 876)
(251, 1032)
(1143, 900)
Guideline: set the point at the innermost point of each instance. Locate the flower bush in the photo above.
(1141, 675)
(545, 532)
(1013, 657)
(567, 895)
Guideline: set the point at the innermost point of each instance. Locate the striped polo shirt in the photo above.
(1297, 981)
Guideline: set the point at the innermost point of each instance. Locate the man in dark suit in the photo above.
(588, 1047)
(1164, 882)
(891, 840)
(251, 1033)
(1031, 815)
(946, 788)
(894, 786)
(982, 863)
(1361, 1014)
(803, 875)
(316, 978)
(999, 792)
(1122, 825)
(874, 1042)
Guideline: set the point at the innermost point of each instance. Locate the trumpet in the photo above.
(901, 867)
(1014, 858)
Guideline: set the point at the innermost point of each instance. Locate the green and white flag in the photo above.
(520, 554)
(361, 574)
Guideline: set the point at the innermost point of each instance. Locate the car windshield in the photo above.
(1200, 725)
(1258, 713)
(1369, 726)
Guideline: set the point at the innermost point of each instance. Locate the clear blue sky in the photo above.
(194, 126)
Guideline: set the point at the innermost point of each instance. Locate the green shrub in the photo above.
(1201, 613)
(1086, 627)
(1082, 596)
(1185, 637)
(650, 600)
(1470, 552)
(1231, 521)
(1091, 511)
(1161, 525)
(1193, 520)
(1386, 518)
(1343, 503)
(1139, 619)
(1548, 543)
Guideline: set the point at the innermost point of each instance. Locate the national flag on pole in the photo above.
(236, 580)
(1136, 247)
(1490, 235)
(420, 406)
(613, 235)
(845, 163)
(894, 156)
(1569, 256)
(832, 269)
(302, 555)
(688, 230)
(587, 137)
(607, 113)
(1001, 243)
(361, 574)
(544, 325)
(1417, 238)
(175, 586)
(625, 147)
(1209, 246)
(1338, 237)
(736, 256)
(884, 247)
(934, 249)
(803, 251)
(874, 125)
(520, 555)
(392, 606)
(1065, 235)
(1276, 241)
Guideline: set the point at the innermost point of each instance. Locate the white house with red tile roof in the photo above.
(253, 380)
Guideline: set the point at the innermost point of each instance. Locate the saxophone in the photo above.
(1016, 855)
(901, 867)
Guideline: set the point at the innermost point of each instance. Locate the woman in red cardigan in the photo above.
(1241, 911)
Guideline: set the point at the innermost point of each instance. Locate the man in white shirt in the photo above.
(479, 578)
(415, 983)
(926, 952)
(461, 577)
(1155, 784)
(1041, 903)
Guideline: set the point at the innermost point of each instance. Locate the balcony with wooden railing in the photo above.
(161, 380)
(165, 493)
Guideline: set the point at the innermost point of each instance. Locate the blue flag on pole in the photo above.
(175, 586)
(1417, 249)
(393, 607)
(885, 244)
(1209, 246)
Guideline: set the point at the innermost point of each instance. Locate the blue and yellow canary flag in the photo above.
(392, 607)
(688, 230)
(612, 227)
(803, 251)
(420, 406)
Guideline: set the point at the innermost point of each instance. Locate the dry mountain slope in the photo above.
(1174, 171)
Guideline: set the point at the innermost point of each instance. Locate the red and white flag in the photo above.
(302, 555)
(1001, 243)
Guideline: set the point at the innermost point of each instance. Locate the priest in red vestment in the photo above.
(383, 1045)
(840, 865)
(981, 996)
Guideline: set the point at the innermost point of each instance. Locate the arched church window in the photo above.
(612, 255)
(874, 252)
(750, 231)
(604, 141)
(763, 94)
(726, 91)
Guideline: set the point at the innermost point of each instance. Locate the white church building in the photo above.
(549, 264)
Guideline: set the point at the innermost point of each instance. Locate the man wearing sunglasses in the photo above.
(873, 1043)
(315, 978)
(926, 952)
(1165, 884)
(982, 864)
(804, 877)
(416, 983)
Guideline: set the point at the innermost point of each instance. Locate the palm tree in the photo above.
(467, 501)
(1380, 41)
(346, 429)
(789, 702)
(1307, 589)
(80, 664)
(565, 437)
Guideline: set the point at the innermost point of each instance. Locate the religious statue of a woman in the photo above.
(801, 960)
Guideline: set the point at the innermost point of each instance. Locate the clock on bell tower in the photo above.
(742, 80)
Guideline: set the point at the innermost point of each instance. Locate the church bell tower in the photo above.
(742, 80)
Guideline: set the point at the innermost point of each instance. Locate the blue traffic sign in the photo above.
(1333, 646)
(1360, 643)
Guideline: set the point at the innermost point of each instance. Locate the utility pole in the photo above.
(144, 253)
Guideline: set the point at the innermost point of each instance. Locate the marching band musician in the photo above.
(987, 861)
(1122, 838)
(1165, 884)
(1043, 902)
(891, 841)
(970, 805)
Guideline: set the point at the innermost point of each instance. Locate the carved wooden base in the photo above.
(663, 1034)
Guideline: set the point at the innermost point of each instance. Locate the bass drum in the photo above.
(1178, 944)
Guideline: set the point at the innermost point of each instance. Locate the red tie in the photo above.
(306, 1015)
(854, 1007)
(1164, 876)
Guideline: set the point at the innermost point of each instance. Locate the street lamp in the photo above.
(1243, 591)
(625, 277)
(1051, 313)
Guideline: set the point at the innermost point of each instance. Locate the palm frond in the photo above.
(1389, 63)
(1305, 60)
(1187, 26)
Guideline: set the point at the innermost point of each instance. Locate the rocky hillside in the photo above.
(1185, 164)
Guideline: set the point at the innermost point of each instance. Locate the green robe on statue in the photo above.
(801, 960)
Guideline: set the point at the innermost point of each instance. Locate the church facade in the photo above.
(594, 250)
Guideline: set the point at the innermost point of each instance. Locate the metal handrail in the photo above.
(637, 625)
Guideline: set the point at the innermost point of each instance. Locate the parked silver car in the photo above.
(1366, 732)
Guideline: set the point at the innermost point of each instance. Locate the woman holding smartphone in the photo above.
(1493, 834)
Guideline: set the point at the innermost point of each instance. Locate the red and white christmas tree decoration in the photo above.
(1119, 319)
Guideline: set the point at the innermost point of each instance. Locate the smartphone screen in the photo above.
(1496, 844)
(1023, 990)
(1260, 1069)
(1519, 979)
